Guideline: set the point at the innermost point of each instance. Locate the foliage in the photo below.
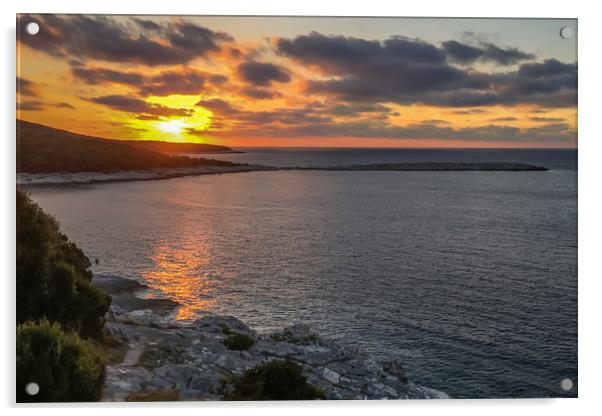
(66, 368)
(163, 395)
(53, 276)
(274, 380)
(239, 342)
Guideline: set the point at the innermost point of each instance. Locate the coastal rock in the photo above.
(191, 356)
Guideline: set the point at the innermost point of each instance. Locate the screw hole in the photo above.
(32, 28)
(566, 384)
(32, 389)
(566, 32)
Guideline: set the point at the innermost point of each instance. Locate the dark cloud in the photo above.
(461, 52)
(186, 81)
(26, 87)
(500, 119)
(104, 38)
(470, 111)
(148, 24)
(354, 109)
(216, 105)
(31, 106)
(338, 55)
(259, 93)
(547, 119)
(263, 74)
(547, 68)
(434, 122)
(136, 105)
(174, 82)
(147, 117)
(101, 75)
(486, 51)
(408, 71)
(64, 105)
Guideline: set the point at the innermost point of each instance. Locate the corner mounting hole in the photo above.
(566, 384)
(566, 32)
(32, 28)
(32, 389)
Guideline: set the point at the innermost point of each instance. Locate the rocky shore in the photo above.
(192, 356)
(81, 178)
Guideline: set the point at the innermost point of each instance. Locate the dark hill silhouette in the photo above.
(43, 149)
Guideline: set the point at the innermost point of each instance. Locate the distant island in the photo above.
(434, 167)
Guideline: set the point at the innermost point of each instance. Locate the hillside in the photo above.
(171, 148)
(42, 149)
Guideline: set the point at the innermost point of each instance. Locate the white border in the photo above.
(590, 207)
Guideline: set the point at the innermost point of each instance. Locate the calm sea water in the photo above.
(468, 277)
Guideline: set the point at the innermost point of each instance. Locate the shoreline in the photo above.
(91, 178)
(191, 356)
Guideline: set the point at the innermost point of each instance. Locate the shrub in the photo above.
(66, 368)
(239, 342)
(274, 380)
(164, 395)
(53, 276)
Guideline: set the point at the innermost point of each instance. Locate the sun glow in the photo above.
(172, 126)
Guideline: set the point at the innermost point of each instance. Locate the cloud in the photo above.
(410, 71)
(470, 111)
(263, 74)
(101, 75)
(317, 119)
(355, 109)
(215, 105)
(553, 133)
(136, 105)
(31, 106)
(26, 87)
(259, 93)
(104, 38)
(486, 51)
(547, 119)
(185, 81)
(64, 105)
(500, 119)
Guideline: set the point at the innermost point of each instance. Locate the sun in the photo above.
(172, 126)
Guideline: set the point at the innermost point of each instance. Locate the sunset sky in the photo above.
(282, 81)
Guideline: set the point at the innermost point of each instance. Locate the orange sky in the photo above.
(313, 82)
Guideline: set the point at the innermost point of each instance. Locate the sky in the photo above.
(302, 81)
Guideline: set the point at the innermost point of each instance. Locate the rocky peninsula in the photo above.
(79, 178)
(195, 358)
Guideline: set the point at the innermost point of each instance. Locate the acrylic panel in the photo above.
(295, 208)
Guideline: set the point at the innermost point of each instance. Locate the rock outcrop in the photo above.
(191, 357)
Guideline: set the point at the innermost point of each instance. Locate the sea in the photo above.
(468, 278)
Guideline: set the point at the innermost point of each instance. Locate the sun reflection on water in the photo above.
(177, 275)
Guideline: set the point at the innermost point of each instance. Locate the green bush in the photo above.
(53, 276)
(274, 380)
(164, 395)
(239, 342)
(66, 368)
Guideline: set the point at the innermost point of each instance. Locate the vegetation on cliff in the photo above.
(56, 304)
(53, 276)
(65, 367)
(273, 380)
